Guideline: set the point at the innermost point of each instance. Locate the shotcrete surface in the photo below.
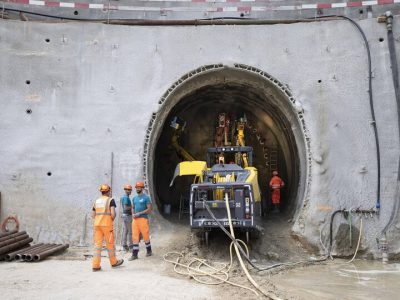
(93, 89)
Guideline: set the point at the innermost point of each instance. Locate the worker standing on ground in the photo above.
(276, 183)
(103, 214)
(127, 218)
(141, 206)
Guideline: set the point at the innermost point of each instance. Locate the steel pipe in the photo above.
(5, 238)
(29, 256)
(3, 234)
(43, 255)
(13, 240)
(11, 256)
(21, 254)
(16, 245)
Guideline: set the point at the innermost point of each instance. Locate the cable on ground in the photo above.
(359, 241)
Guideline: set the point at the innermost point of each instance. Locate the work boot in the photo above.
(135, 252)
(118, 263)
(133, 257)
(148, 248)
(96, 269)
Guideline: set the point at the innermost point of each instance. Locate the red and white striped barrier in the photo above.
(113, 6)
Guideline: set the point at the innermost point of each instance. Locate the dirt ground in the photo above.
(69, 276)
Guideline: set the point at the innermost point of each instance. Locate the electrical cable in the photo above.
(190, 22)
(203, 269)
(395, 77)
(51, 16)
(359, 241)
(331, 230)
(222, 21)
(196, 271)
(252, 281)
(371, 103)
(329, 17)
(258, 268)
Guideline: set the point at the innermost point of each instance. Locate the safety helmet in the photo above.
(275, 173)
(139, 184)
(104, 188)
(127, 187)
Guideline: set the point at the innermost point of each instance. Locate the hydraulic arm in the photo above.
(179, 126)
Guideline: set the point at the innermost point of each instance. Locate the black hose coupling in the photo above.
(388, 19)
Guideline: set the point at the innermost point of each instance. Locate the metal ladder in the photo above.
(273, 159)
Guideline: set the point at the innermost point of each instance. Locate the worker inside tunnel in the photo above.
(225, 108)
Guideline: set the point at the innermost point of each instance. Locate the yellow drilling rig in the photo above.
(227, 172)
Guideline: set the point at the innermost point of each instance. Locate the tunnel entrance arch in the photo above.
(276, 128)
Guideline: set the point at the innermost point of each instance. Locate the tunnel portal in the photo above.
(272, 128)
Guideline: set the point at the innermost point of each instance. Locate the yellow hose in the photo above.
(252, 281)
(359, 241)
(220, 274)
(199, 269)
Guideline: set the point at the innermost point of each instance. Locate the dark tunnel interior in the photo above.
(267, 130)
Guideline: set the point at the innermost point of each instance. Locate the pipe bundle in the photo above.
(16, 245)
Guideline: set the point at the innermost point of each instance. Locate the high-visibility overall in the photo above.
(140, 226)
(103, 230)
(276, 184)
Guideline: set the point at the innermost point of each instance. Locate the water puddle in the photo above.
(340, 280)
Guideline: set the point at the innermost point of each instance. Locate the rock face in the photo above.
(84, 104)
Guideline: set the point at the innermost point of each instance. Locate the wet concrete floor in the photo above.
(337, 279)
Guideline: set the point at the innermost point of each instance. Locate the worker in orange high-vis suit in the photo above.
(276, 183)
(141, 206)
(103, 214)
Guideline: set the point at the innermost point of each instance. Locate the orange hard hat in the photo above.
(139, 184)
(127, 187)
(104, 188)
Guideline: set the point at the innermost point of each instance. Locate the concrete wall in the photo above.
(192, 9)
(93, 89)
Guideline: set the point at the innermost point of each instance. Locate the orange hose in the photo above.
(5, 222)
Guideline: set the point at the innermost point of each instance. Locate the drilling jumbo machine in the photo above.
(227, 176)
